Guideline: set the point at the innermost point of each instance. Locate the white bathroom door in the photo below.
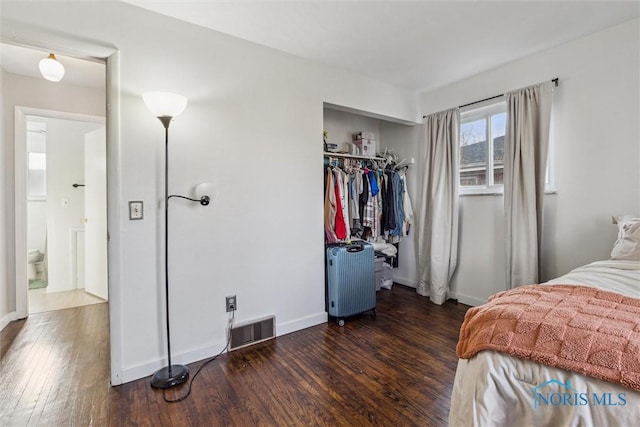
(95, 210)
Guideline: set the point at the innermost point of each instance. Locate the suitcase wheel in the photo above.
(340, 322)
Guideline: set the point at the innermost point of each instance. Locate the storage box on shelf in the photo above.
(365, 141)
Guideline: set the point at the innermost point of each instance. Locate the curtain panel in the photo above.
(526, 145)
(437, 238)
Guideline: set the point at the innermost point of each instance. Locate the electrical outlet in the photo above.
(232, 304)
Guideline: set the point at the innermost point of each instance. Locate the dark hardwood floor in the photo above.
(54, 369)
(396, 369)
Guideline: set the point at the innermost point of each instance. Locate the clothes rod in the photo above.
(554, 81)
(351, 156)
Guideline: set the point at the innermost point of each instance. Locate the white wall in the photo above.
(95, 208)
(37, 224)
(7, 297)
(65, 207)
(36, 207)
(597, 156)
(341, 126)
(41, 94)
(252, 128)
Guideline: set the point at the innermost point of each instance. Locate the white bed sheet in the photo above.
(496, 389)
(622, 277)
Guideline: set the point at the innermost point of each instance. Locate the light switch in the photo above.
(135, 210)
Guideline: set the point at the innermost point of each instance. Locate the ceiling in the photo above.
(416, 45)
(24, 61)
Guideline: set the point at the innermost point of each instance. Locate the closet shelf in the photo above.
(351, 156)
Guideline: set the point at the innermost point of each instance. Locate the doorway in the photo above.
(66, 212)
(79, 97)
(18, 101)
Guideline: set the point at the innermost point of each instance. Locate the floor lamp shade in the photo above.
(165, 104)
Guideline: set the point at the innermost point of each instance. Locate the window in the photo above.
(37, 175)
(482, 132)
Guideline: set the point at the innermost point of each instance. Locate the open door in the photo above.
(95, 208)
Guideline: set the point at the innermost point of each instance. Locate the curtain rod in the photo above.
(554, 81)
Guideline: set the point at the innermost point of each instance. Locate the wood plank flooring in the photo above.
(54, 369)
(396, 369)
(40, 300)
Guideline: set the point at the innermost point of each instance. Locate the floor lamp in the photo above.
(166, 106)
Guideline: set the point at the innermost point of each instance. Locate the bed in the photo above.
(497, 388)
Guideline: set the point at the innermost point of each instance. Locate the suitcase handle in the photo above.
(355, 248)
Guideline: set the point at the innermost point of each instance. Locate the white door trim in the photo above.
(21, 170)
(111, 55)
(74, 235)
(115, 218)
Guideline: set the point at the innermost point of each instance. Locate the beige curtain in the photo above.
(437, 237)
(526, 145)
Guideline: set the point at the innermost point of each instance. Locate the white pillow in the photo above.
(627, 247)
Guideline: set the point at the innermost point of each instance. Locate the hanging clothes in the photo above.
(406, 203)
(355, 187)
(344, 181)
(364, 197)
(370, 203)
(374, 183)
(367, 212)
(398, 207)
(329, 208)
(340, 222)
(388, 208)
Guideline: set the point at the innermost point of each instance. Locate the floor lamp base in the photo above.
(163, 379)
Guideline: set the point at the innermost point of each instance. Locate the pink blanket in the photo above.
(577, 328)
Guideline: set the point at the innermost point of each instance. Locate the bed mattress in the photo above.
(496, 389)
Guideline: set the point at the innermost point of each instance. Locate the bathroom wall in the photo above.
(65, 207)
(37, 224)
(36, 206)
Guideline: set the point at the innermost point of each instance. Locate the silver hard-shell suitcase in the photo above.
(351, 280)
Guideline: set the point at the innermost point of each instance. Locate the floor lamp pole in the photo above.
(171, 375)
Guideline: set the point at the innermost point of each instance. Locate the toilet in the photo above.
(34, 256)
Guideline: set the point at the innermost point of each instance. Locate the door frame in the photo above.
(21, 171)
(110, 54)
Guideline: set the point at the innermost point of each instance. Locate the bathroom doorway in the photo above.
(66, 211)
(48, 106)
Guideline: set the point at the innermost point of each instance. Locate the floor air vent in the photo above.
(252, 332)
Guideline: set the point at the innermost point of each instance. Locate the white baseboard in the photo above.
(6, 319)
(462, 298)
(405, 281)
(468, 299)
(147, 369)
(300, 324)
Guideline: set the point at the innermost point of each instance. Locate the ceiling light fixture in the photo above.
(51, 69)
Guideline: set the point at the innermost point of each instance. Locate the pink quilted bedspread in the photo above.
(577, 328)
